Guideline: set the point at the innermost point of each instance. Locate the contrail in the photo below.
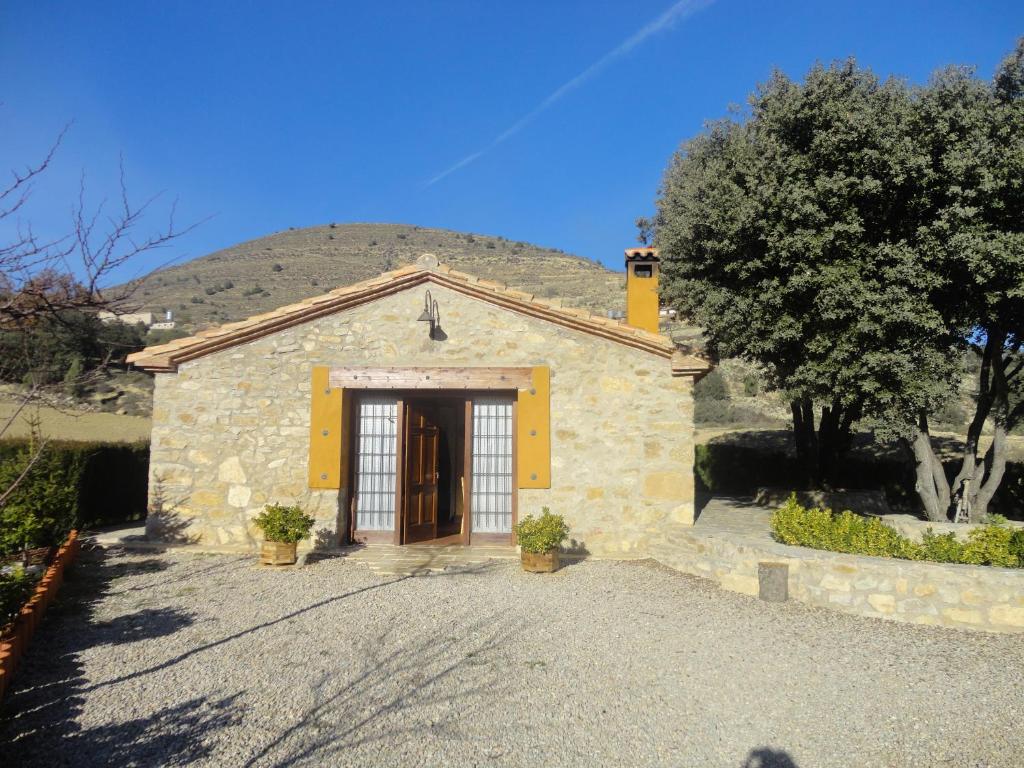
(677, 12)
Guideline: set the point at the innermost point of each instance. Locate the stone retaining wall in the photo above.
(961, 596)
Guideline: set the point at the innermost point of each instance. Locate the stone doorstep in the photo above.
(397, 560)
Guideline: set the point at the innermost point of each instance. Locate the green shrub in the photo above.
(711, 387)
(993, 544)
(941, 547)
(541, 534)
(751, 385)
(799, 526)
(15, 588)
(284, 524)
(1017, 545)
(72, 485)
(816, 528)
(73, 384)
(43, 507)
(990, 545)
(870, 536)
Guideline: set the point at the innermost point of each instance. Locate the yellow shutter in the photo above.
(328, 440)
(533, 431)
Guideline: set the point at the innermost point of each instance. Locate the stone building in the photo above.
(427, 405)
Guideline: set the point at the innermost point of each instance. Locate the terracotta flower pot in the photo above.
(278, 553)
(540, 562)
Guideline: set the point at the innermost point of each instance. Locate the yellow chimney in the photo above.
(642, 267)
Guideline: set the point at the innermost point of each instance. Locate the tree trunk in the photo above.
(931, 486)
(989, 473)
(819, 450)
(965, 485)
(978, 479)
(995, 466)
(806, 442)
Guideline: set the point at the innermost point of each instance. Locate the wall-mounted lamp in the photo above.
(431, 314)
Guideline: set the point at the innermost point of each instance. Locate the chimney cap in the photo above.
(642, 254)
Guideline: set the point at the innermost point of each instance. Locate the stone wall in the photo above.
(961, 596)
(230, 430)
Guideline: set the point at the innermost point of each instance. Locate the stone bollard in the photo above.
(773, 582)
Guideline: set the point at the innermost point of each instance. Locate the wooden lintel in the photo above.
(430, 378)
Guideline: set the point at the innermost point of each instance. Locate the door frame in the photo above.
(402, 396)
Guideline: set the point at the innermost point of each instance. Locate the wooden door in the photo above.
(422, 437)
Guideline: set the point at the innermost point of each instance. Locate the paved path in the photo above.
(736, 518)
(418, 559)
(158, 659)
(385, 559)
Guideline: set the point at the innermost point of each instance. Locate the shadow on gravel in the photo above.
(146, 624)
(40, 719)
(41, 711)
(284, 618)
(402, 689)
(766, 757)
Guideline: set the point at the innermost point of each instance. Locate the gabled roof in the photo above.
(166, 357)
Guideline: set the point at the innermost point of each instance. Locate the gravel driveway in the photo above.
(172, 659)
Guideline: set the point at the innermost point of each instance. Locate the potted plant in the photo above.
(539, 539)
(283, 528)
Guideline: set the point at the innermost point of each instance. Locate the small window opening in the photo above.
(643, 270)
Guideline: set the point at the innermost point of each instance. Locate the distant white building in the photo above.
(130, 318)
(164, 325)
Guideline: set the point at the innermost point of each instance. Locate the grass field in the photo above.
(76, 425)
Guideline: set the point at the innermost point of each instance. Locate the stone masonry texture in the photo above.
(962, 596)
(231, 429)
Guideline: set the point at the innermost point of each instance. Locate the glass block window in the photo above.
(491, 497)
(376, 445)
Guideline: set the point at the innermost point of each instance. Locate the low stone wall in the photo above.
(961, 596)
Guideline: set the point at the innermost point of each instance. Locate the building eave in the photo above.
(166, 357)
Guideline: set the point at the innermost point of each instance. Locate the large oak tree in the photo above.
(854, 236)
(973, 237)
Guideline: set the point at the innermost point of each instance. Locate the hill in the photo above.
(285, 267)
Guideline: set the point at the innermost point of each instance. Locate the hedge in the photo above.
(993, 544)
(71, 485)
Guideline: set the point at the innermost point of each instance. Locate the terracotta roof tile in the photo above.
(166, 357)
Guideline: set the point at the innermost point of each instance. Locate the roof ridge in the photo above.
(166, 356)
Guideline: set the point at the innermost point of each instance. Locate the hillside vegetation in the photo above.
(269, 272)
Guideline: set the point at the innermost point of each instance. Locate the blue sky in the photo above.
(266, 116)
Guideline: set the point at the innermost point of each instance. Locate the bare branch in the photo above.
(17, 193)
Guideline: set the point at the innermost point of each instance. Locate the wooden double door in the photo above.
(421, 473)
(432, 468)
